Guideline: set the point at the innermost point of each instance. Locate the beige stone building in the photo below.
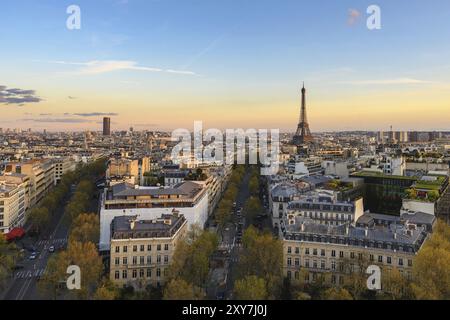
(12, 206)
(311, 250)
(142, 250)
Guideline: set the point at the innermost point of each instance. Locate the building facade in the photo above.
(142, 250)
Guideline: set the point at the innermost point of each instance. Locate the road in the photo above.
(23, 285)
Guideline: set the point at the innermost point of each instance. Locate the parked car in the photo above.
(33, 256)
(51, 249)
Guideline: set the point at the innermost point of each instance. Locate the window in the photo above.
(341, 254)
(141, 273)
(333, 265)
(149, 273)
(400, 261)
(117, 249)
(371, 257)
(380, 259)
(307, 263)
(306, 250)
(297, 250)
(410, 263)
(352, 255)
(297, 262)
(142, 247)
(289, 261)
(360, 256)
(158, 273)
(124, 274)
(125, 260)
(149, 259)
(158, 247)
(166, 259)
(141, 260)
(322, 264)
(149, 247)
(315, 264)
(322, 252)
(289, 250)
(389, 260)
(333, 279)
(134, 274)
(333, 253)
(117, 261)
(134, 248)
(125, 249)
(315, 252)
(289, 275)
(134, 260)
(158, 259)
(117, 275)
(166, 247)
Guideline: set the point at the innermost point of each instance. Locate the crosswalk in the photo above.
(27, 274)
(47, 243)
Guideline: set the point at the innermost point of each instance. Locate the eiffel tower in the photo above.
(303, 135)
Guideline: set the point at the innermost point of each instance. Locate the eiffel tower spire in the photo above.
(303, 133)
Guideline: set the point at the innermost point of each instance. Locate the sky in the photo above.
(163, 64)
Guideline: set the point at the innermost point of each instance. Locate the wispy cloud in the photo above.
(397, 81)
(71, 98)
(96, 114)
(18, 96)
(104, 66)
(58, 120)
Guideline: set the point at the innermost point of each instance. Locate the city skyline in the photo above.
(161, 65)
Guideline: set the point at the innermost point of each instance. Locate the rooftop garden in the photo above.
(381, 175)
(338, 185)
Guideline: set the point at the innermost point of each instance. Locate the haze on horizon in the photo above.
(161, 65)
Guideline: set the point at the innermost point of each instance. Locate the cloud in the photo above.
(58, 120)
(105, 66)
(18, 96)
(398, 81)
(71, 98)
(353, 16)
(95, 114)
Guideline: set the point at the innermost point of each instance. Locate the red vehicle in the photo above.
(14, 234)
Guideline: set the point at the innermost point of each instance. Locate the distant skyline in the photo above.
(162, 64)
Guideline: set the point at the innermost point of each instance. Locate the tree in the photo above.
(262, 256)
(431, 272)
(8, 255)
(252, 208)
(179, 289)
(250, 288)
(84, 255)
(106, 291)
(39, 217)
(191, 258)
(86, 228)
(337, 294)
(394, 285)
(254, 185)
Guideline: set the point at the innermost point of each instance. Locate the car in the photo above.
(33, 256)
(51, 249)
(227, 229)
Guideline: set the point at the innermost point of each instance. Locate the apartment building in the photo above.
(63, 165)
(188, 198)
(142, 250)
(335, 251)
(12, 206)
(128, 167)
(41, 173)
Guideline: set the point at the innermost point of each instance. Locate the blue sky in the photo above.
(227, 59)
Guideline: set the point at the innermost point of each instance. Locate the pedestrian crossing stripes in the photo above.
(26, 274)
(51, 242)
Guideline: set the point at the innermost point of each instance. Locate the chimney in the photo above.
(366, 232)
(395, 235)
(132, 224)
(347, 229)
(302, 227)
